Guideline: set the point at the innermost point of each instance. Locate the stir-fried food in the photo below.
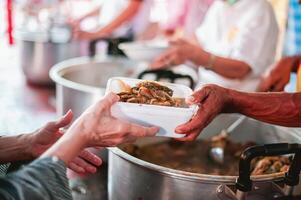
(149, 92)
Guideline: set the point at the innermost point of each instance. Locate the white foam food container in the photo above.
(143, 51)
(165, 117)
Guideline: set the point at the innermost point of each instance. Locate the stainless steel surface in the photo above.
(38, 55)
(132, 178)
(217, 153)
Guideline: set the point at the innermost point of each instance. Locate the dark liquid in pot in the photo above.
(193, 157)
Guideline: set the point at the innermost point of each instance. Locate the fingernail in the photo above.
(67, 113)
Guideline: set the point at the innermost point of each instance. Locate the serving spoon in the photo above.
(217, 153)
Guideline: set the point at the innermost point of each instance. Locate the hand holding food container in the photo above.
(151, 103)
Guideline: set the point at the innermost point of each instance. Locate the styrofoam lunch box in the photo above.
(167, 118)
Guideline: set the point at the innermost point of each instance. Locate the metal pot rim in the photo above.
(189, 175)
(57, 71)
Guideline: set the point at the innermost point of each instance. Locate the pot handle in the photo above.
(92, 46)
(244, 183)
(167, 74)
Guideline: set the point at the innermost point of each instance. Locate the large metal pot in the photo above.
(38, 54)
(82, 81)
(132, 178)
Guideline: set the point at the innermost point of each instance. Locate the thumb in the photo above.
(198, 96)
(107, 101)
(60, 123)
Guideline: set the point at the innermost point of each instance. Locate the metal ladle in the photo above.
(217, 154)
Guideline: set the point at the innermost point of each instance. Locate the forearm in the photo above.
(15, 148)
(67, 147)
(276, 108)
(125, 16)
(229, 68)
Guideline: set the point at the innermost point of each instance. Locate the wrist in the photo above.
(200, 57)
(230, 105)
(29, 141)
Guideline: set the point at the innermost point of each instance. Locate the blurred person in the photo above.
(45, 178)
(279, 74)
(119, 21)
(234, 45)
(186, 15)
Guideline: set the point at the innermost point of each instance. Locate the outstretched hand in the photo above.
(46, 136)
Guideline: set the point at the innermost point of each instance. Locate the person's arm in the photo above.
(227, 67)
(46, 178)
(183, 50)
(42, 179)
(96, 127)
(126, 15)
(15, 148)
(278, 75)
(276, 108)
(27, 147)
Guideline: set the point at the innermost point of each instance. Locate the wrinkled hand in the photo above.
(212, 100)
(276, 77)
(46, 136)
(98, 128)
(181, 50)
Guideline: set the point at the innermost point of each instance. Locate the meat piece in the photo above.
(149, 92)
(152, 85)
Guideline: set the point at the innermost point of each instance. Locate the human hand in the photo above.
(212, 100)
(97, 127)
(46, 136)
(180, 51)
(277, 76)
(84, 35)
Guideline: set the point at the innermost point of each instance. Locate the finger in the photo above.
(107, 102)
(161, 61)
(90, 157)
(76, 168)
(279, 86)
(198, 96)
(265, 85)
(85, 165)
(62, 122)
(203, 117)
(190, 136)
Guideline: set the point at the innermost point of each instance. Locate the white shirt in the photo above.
(245, 31)
(110, 9)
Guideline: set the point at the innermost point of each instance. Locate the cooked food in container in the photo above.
(151, 103)
(150, 92)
